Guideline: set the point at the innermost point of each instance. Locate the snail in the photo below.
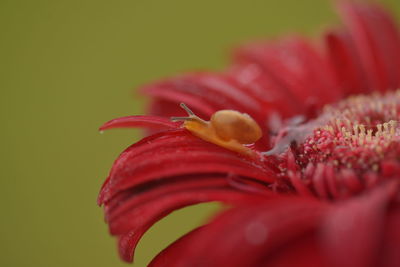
(227, 128)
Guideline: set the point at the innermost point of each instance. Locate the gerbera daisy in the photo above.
(301, 141)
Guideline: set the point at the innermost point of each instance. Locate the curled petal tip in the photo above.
(149, 122)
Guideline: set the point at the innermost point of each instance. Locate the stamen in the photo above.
(355, 132)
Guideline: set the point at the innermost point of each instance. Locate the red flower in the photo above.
(321, 186)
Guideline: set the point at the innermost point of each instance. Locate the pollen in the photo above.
(351, 146)
(355, 132)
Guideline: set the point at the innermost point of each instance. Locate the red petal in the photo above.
(298, 184)
(390, 251)
(211, 89)
(153, 210)
(302, 252)
(346, 63)
(353, 232)
(170, 96)
(153, 122)
(168, 256)
(177, 153)
(297, 66)
(319, 181)
(273, 97)
(162, 173)
(248, 235)
(133, 224)
(132, 213)
(392, 42)
(127, 244)
(385, 43)
(375, 43)
(129, 199)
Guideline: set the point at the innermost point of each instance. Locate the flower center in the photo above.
(352, 145)
(357, 133)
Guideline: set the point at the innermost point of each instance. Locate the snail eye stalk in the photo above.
(191, 117)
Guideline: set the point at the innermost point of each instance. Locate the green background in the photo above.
(68, 66)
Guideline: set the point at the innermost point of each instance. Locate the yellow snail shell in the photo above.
(231, 124)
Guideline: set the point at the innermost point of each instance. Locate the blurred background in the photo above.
(66, 67)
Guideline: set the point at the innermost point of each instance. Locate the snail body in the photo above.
(227, 128)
